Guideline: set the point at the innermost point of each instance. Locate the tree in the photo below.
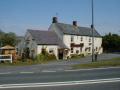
(1, 36)
(111, 43)
(7, 38)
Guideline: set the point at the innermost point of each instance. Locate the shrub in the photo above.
(76, 56)
(81, 55)
(40, 57)
(51, 57)
(45, 57)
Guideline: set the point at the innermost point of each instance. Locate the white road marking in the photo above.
(26, 72)
(91, 69)
(60, 83)
(5, 73)
(72, 70)
(47, 71)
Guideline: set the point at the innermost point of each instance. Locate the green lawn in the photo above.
(107, 63)
(25, 63)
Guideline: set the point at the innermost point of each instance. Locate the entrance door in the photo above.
(60, 54)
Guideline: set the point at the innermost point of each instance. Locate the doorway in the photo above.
(60, 54)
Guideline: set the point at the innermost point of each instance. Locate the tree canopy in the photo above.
(7, 38)
(111, 43)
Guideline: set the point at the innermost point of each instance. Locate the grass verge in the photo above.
(24, 63)
(107, 63)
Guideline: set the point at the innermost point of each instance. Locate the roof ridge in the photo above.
(72, 25)
(70, 29)
(35, 30)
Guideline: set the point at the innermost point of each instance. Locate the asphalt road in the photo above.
(64, 76)
(49, 76)
(100, 86)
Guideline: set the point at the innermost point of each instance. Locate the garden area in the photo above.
(41, 58)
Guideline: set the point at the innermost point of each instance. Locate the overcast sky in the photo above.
(19, 15)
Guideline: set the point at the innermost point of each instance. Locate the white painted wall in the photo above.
(37, 48)
(67, 41)
(32, 44)
(20, 47)
(98, 43)
(87, 43)
(48, 47)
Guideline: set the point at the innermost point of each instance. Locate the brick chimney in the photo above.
(92, 26)
(55, 20)
(74, 23)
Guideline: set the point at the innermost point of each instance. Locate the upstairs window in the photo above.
(89, 39)
(81, 39)
(72, 38)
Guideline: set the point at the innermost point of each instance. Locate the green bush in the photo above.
(51, 57)
(76, 56)
(81, 55)
(45, 57)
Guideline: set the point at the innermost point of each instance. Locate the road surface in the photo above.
(99, 86)
(60, 65)
(89, 79)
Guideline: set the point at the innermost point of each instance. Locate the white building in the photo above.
(63, 40)
(37, 40)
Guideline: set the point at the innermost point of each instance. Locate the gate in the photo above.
(6, 58)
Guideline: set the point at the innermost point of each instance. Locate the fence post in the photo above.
(11, 58)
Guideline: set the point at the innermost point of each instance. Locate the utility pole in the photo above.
(92, 26)
(0, 47)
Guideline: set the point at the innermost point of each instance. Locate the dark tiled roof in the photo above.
(73, 30)
(46, 38)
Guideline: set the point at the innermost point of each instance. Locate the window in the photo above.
(89, 49)
(89, 39)
(72, 38)
(43, 51)
(77, 51)
(51, 51)
(90, 44)
(71, 50)
(86, 49)
(81, 38)
(80, 49)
